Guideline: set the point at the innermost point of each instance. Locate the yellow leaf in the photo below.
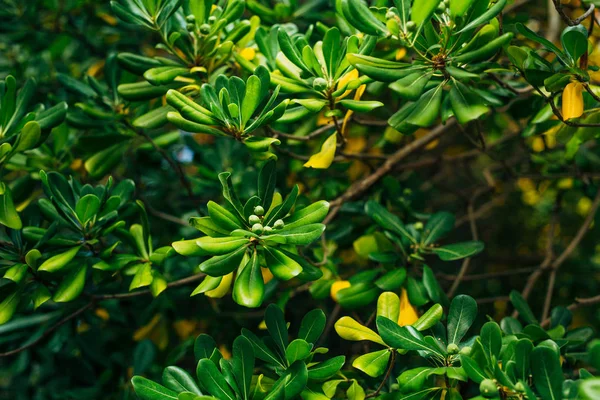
(408, 312)
(324, 158)
(102, 313)
(572, 100)
(223, 287)
(400, 53)
(155, 330)
(336, 287)
(186, 328)
(95, 68)
(266, 274)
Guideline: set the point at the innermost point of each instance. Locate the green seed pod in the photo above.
(268, 229)
(411, 26)
(205, 29)
(320, 84)
(212, 19)
(254, 219)
(390, 15)
(488, 388)
(419, 226)
(453, 348)
(519, 387)
(278, 224)
(257, 228)
(258, 210)
(190, 18)
(465, 351)
(190, 27)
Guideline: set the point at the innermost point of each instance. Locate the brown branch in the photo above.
(579, 302)
(549, 263)
(47, 333)
(386, 377)
(363, 185)
(94, 300)
(465, 265)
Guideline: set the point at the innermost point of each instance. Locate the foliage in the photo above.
(352, 166)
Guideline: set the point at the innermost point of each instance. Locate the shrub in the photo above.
(395, 200)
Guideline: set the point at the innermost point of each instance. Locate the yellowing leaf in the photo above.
(155, 330)
(336, 287)
(572, 100)
(223, 287)
(266, 274)
(324, 158)
(408, 312)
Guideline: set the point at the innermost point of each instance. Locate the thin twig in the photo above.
(386, 377)
(94, 299)
(579, 302)
(364, 184)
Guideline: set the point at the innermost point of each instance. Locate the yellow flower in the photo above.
(408, 312)
(223, 287)
(572, 101)
(336, 287)
(324, 158)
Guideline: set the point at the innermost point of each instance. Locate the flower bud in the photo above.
(190, 18)
(205, 29)
(258, 210)
(268, 229)
(278, 224)
(319, 84)
(254, 219)
(488, 388)
(411, 26)
(453, 348)
(465, 351)
(257, 228)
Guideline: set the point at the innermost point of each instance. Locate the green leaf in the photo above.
(143, 277)
(331, 50)
(463, 311)
(8, 306)
(28, 137)
(427, 108)
(547, 373)
(59, 261)
(387, 220)
(261, 351)
(458, 8)
(412, 86)
(8, 213)
(373, 364)
(347, 328)
(522, 307)
(312, 326)
(298, 377)
(249, 286)
(472, 369)
(311, 214)
(298, 349)
(361, 105)
(391, 280)
(491, 338)
(388, 305)
(403, 337)
(223, 218)
(423, 10)
(300, 235)
(204, 345)
(87, 207)
(466, 104)
(429, 318)
(179, 380)
(211, 379)
(413, 380)
(574, 40)
(484, 17)
(71, 286)
(145, 389)
(529, 34)
(281, 265)
(275, 321)
(243, 364)
(221, 245)
(589, 389)
(523, 349)
(326, 369)
(222, 265)
(162, 75)
(458, 251)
